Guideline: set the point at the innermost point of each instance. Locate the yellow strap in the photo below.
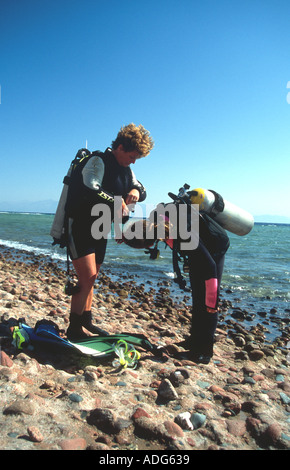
(128, 356)
(18, 338)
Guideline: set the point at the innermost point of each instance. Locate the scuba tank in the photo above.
(212, 208)
(57, 231)
(228, 215)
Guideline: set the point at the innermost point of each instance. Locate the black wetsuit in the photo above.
(206, 265)
(96, 180)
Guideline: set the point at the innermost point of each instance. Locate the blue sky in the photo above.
(208, 79)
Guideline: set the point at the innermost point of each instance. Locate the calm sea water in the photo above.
(257, 267)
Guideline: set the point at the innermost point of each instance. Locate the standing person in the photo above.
(96, 180)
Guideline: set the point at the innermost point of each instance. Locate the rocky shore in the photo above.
(55, 401)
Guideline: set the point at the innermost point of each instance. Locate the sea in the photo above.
(256, 273)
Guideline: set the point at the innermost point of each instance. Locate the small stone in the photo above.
(147, 428)
(258, 377)
(236, 427)
(99, 446)
(239, 341)
(102, 418)
(285, 399)
(285, 386)
(281, 371)
(216, 389)
(13, 435)
(18, 407)
(90, 376)
(191, 442)
(279, 378)
(173, 429)
(34, 434)
(73, 444)
(256, 355)
(176, 378)
(232, 403)
(122, 423)
(202, 384)
(140, 412)
(285, 436)
(49, 385)
(183, 420)
(272, 433)
(122, 293)
(167, 391)
(105, 420)
(242, 355)
(253, 424)
(198, 420)
(203, 406)
(269, 373)
(249, 380)
(5, 360)
(75, 398)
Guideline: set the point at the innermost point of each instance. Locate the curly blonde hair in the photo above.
(134, 138)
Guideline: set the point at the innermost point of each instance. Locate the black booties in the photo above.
(75, 331)
(200, 342)
(88, 325)
(202, 333)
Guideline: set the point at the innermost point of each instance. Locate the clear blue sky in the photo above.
(207, 78)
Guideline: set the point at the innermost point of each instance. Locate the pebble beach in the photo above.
(55, 401)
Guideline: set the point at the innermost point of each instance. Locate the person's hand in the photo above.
(132, 197)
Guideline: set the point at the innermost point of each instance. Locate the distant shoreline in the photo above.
(53, 213)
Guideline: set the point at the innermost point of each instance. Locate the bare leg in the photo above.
(87, 271)
(89, 301)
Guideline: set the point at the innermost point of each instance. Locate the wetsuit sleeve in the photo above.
(93, 174)
(137, 185)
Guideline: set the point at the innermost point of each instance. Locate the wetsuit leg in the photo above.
(205, 278)
(81, 243)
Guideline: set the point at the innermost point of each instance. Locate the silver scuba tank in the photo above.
(228, 215)
(57, 228)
